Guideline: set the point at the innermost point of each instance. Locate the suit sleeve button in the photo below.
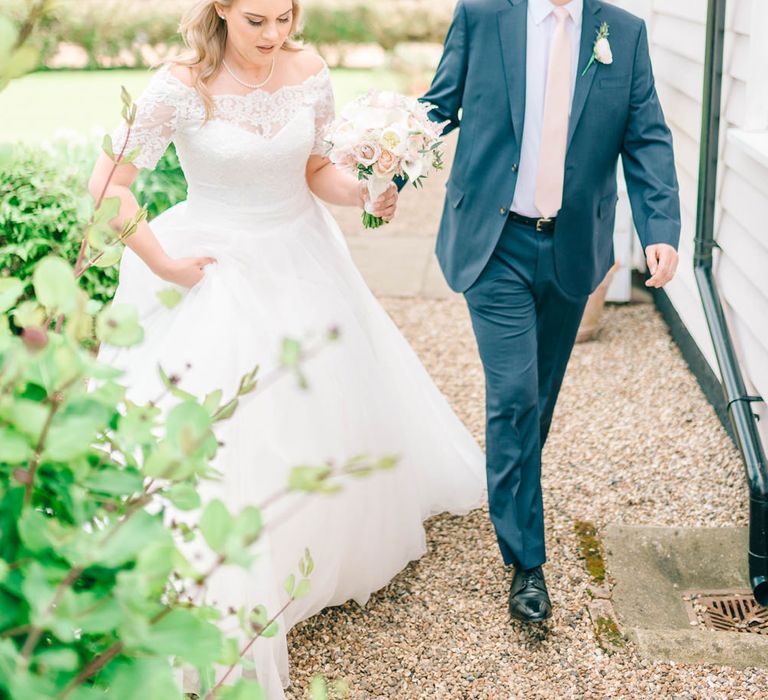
(503, 211)
(514, 168)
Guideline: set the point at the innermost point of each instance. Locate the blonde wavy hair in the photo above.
(205, 35)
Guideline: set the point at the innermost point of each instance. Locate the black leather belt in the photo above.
(541, 225)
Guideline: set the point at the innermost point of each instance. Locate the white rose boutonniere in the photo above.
(602, 50)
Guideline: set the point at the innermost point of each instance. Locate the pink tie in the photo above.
(554, 132)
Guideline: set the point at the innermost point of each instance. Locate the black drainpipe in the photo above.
(739, 402)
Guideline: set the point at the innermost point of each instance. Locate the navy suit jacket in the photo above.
(480, 87)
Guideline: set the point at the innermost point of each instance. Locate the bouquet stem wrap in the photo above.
(377, 186)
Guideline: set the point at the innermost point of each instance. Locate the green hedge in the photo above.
(45, 205)
(112, 32)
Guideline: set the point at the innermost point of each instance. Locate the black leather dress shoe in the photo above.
(528, 597)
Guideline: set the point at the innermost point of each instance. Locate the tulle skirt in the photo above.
(288, 273)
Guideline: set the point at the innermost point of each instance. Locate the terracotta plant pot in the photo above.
(594, 310)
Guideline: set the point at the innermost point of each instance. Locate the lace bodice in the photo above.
(252, 152)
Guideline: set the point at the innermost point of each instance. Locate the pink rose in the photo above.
(367, 153)
(386, 164)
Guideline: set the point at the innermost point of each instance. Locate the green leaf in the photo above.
(28, 313)
(156, 561)
(110, 256)
(99, 235)
(136, 425)
(248, 383)
(131, 155)
(118, 324)
(164, 461)
(228, 410)
(22, 61)
(230, 654)
(61, 659)
(290, 585)
(106, 146)
(258, 617)
(291, 353)
(301, 589)
(310, 564)
(318, 688)
(172, 386)
(309, 479)
(74, 430)
(32, 531)
(37, 590)
(143, 679)
(114, 481)
(97, 614)
(108, 210)
(184, 496)
(10, 291)
(212, 401)
(215, 525)
(14, 448)
(244, 689)
(55, 285)
(123, 541)
(9, 658)
(270, 631)
(184, 635)
(6, 337)
(125, 96)
(188, 425)
(248, 524)
(170, 297)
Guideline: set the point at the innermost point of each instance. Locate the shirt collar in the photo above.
(541, 9)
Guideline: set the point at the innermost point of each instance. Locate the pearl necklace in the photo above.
(248, 85)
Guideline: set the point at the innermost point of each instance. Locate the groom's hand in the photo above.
(662, 263)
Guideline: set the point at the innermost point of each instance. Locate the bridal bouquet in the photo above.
(384, 135)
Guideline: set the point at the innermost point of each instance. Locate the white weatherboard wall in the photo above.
(677, 34)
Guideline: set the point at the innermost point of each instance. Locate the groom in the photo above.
(548, 95)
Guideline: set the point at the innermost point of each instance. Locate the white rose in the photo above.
(603, 52)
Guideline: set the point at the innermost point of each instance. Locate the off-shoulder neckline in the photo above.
(324, 72)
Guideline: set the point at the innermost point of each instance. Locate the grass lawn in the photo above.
(35, 107)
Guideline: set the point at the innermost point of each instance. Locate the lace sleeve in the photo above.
(156, 120)
(325, 111)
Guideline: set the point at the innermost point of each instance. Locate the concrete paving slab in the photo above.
(434, 285)
(652, 567)
(393, 267)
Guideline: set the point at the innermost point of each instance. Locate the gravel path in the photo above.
(633, 441)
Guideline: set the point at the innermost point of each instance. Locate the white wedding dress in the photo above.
(284, 269)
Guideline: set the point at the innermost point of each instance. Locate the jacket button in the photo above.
(514, 168)
(502, 211)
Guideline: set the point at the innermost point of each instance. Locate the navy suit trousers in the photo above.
(526, 326)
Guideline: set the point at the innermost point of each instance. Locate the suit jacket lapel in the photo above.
(513, 32)
(589, 25)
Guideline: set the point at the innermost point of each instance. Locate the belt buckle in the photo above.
(541, 222)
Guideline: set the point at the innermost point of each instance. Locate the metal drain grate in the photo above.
(726, 611)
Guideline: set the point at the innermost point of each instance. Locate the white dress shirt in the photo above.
(541, 28)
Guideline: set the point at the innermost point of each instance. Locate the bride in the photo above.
(259, 258)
